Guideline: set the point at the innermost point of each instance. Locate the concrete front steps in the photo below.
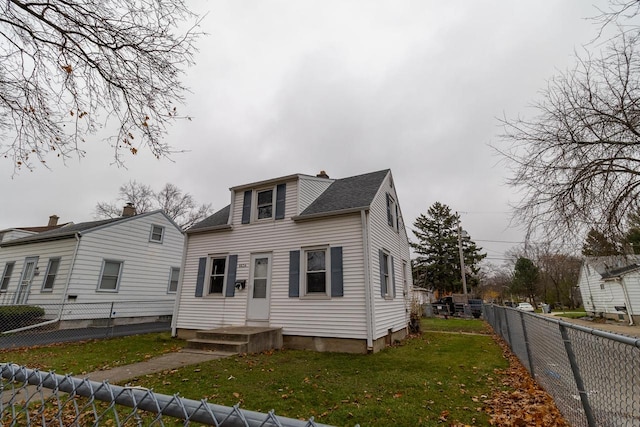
(237, 339)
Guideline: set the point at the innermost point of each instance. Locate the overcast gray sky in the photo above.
(348, 87)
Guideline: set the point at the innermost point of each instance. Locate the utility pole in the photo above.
(464, 277)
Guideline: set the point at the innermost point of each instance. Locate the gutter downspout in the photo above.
(176, 304)
(368, 295)
(66, 285)
(626, 300)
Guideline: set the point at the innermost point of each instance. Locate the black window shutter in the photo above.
(382, 287)
(202, 265)
(389, 216)
(337, 287)
(281, 194)
(231, 276)
(397, 219)
(393, 278)
(246, 207)
(294, 274)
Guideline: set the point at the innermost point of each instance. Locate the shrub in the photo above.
(18, 316)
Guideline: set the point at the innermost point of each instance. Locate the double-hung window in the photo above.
(174, 275)
(217, 275)
(157, 234)
(110, 276)
(264, 204)
(6, 276)
(50, 276)
(387, 279)
(315, 271)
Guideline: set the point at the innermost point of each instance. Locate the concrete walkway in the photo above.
(168, 361)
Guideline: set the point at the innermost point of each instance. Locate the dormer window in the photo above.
(264, 204)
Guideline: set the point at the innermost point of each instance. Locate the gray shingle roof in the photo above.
(347, 193)
(68, 231)
(218, 219)
(343, 194)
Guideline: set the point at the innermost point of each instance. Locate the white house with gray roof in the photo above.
(610, 287)
(124, 269)
(327, 260)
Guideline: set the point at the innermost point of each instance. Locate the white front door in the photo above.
(26, 278)
(259, 288)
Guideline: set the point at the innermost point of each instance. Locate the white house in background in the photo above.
(610, 287)
(327, 260)
(125, 268)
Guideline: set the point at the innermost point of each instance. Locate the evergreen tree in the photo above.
(437, 265)
(525, 278)
(597, 244)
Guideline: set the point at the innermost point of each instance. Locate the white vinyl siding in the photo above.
(60, 249)
(310, 189)
(389, 313)
(601, 296)
(143, 279)
(342, 317)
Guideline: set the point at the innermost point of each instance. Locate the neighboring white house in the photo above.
(610, 287)
(125, 269)
(327, 260)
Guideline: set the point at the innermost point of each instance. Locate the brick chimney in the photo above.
(129, 210)
(53, 220)
(322, 174)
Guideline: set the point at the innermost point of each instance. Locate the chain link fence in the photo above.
(33, 398)
(592, 375)
(29, 325)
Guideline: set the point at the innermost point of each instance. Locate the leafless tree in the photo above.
(179, 206)
(69, 68)
(576, 163)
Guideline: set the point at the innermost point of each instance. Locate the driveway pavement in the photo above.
(615, 327)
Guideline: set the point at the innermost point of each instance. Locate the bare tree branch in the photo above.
(576, 164)
(179, 206)
(69, 68)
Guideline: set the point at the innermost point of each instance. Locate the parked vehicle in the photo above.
(525, 306)
(476, 307)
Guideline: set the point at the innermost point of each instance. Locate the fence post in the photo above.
(526, 344)
(576, 375)
(505, 313)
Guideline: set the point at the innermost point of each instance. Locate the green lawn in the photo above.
(572, 314)
(80, 358)
(434, 379)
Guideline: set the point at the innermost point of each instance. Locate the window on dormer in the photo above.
(264, 204)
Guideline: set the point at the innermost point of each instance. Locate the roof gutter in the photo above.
(40, 240)
(299, 218)
(208, 229)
